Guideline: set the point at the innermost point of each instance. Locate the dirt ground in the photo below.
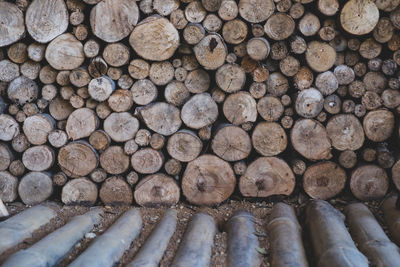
(151, 216)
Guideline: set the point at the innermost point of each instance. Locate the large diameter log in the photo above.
(267, 176)
(13, 28)
(38, 158)
(147, 161)
(269, 138)
(324, 180)
(309, 103)
(155, 38)
(256, 11)
(211, 51)
(279, 26)
(208, 180)
(230, 77)
(311, 140)
(197, 243)
(113, 20)
(240, 108)
(161, 117)
(121, 126)
(8, 186)
(22, 90)
(370, 237)
(108, 248)
(184, 146)
(37, 128)
(153, 249)
(285, 236)
(369, 182)
(65, 52)
(45, 20)
(22, 226)
(199, 111)
(359, 17)
(81, 123)
(320, 56)
(9, 127)
(391, 215)
(242, 241)
(52, 248)
(77, 159)
(378, 125)
(114, 160)
(231, 143)
(80, 191)
(35, 187)
(6, 157)
(331, 241)
(345, 132)
(115, 191)
(157, 189)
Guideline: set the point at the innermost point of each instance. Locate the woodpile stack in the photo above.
(137, 101)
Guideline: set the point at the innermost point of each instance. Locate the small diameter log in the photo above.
(80, 191)
(45, 20)
(114, 160)
(208, 180)
(22, 90)
(378, 125)
(231, 143)
(391, 215)
(240, 108)
(320, 56)
(242, 241)
(115, 191)
(161, 117)
(65, 52)
(81, 123)
(279, 26)
(13, 27)
(267, 176)
(285, 236)
(144, 92)
(8, 187)
(184, 146)
(369, 182)
(309, 103)
(157, 189)
(324, 180)
(35, 187)
(3, 210)
(60, 109)
(101, 88)
(57, 138)
(370, 237)
(155, 38)
(269, 139)
(112, 21)
(197, 243)
(38, 158)
(147, 161)
(199, 111)
(359, 17)
(121, 126)
(99, 140)
(211, 51)
(77, 159)
(345, 132)
(311, 140)
(37, 128)
(155, 246)
(331, 241)
(270, 108)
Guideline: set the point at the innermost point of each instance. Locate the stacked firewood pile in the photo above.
(123, 100)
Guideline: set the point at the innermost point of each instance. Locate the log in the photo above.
(231, 143)
(228, 10)
(391, 215)
(142, 137)
(370, 237)
(101, 88)
(285, 235)
(197, 81)
(309, 24)
(121, 127)
(115, 191)
(242, 241)
(184, 146)
(161, 73)
(310, 139)
(279, 26)
(359, 17)
(369, 182)
(9, 128)
(8, 187)
(230, 78)
(81, 123)
(38, 158)
(324, 180)
(80, 191)
(114, 161)
(195, 248)
(267, 176)
(348, 159)
(269, 139)
(256, 11)
(154, 39)
(65, 52)
(199, 111)
(35, 187)
(345, 132)
(37, 128)
(57, 138)
(208, 180)
(6, 156)
(77, 159)
(157, 189)
(320, 56)
(111, 21)
(161, 117)
(331, 241)
(60, 109)
(309, 103)
(147, 161)
(22, 90)
(240, 108)
(378, 125)
(176, 93)
(8, 70)
(144, 92)
(211, 51)
(153, 249)
(45, 20)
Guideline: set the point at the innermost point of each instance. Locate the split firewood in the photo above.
(336, 248)
(367, 232)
